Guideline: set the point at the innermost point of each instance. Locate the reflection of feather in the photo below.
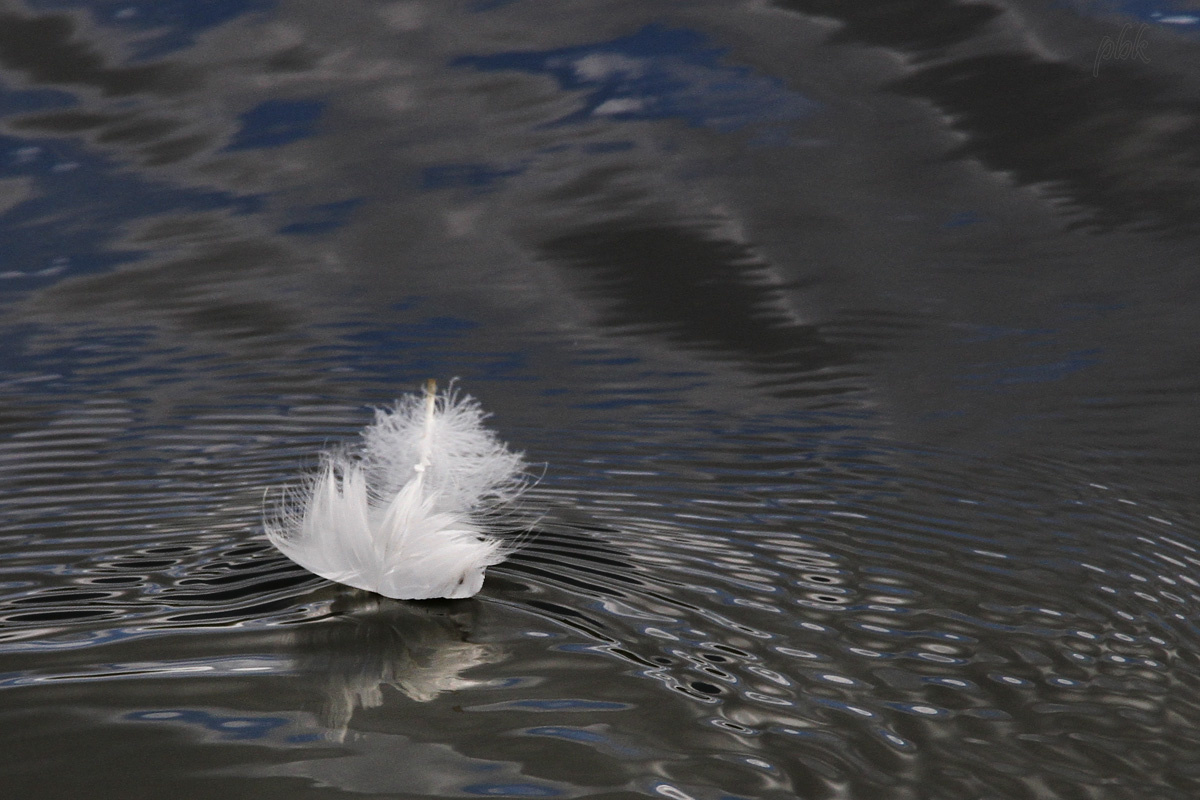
(368, 644)
(406, 516)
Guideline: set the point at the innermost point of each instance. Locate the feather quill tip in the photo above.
(407, 513)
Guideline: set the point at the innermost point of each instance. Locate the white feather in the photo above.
(407, 515)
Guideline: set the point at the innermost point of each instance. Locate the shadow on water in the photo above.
(1121, 146)
(690, 288)
(46, 50)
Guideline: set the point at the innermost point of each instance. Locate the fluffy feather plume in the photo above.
(406, 515)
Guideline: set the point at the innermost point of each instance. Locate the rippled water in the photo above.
(855, 344)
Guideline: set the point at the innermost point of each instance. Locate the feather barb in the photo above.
(406, 514)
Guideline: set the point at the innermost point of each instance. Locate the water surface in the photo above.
(854, 344)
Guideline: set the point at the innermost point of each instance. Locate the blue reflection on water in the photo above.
(321, 218)
(73, 204)
(62, 364)
(563, 732)
(1172, 14)
(477, 176)
(565, 704)
(657, 73)
(171, 24)
(230, 728)
(995, 375)
(23, 101)
(511, 790)
(590, 738)
(962, 219)
(430, 345)
(490, 5)
(277, 122)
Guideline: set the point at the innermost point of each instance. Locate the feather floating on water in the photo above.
(406, 515)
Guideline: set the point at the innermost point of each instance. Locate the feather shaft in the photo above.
(406, 515)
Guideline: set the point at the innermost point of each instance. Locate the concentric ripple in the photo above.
(821, 611)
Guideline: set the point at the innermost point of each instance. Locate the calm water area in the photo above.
(856, 345)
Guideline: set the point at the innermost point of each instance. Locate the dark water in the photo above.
(858, 342)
